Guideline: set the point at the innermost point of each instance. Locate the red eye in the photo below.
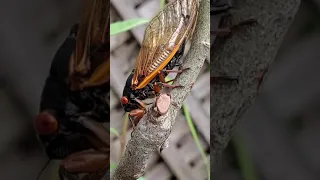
(124, 100)
(45, 123)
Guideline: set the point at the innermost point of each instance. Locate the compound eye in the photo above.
(45, 123)
(124, 100)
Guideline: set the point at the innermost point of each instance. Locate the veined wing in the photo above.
(89, 64)
(163, 37)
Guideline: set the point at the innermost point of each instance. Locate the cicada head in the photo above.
(130, 98)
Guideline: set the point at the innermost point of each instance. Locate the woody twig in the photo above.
(154, 128)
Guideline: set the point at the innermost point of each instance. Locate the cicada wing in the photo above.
(163, 36)
(86, 67)
(100, 76)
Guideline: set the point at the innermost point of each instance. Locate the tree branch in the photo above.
(152, 131)
(246, 54)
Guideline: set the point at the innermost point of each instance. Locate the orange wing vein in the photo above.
(163, 37)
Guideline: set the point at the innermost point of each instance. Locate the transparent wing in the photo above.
(89, 65)
(164, 33)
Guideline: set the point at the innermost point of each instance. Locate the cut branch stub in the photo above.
(162, 104)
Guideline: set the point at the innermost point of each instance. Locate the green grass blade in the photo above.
(112, 166)
(114, 131)
(122, 26)
(196, 138)
(162, 2)
(245, 163)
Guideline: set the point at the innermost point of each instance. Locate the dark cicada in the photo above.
(74, 107)
(162, 48)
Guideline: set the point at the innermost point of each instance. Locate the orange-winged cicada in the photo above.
(162, 49)
(74, 103)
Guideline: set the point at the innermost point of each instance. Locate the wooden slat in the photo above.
(201, 88)
(177, 163)
(115, 120)
(206, 106)
(190, 150)
(200, 168)
(179, 129)
(128, 12)
(200, 119)
(113, 100)
(152, 7)
(126, 60)
(159, 172)
(117, 40)
(117, 80)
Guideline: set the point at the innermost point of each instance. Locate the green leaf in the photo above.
(196, 138)
(114, 131)
(245, 164)
(122, 26)
(168, 79)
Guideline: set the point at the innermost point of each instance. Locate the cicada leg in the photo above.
(224, 79)
(162, 76)
(136, 116)
(216, 8)
(223, 32)
(262, 77)
(92, 160)
(230, 79)
(175, 71)
(87, 161)
(170, 86)
(163, 81)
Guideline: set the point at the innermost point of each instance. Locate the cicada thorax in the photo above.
(132, 99)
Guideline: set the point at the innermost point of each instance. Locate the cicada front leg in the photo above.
(224, 32)
(91, 160)
(216, 7)
(222, 9)
(135, 116)
(164, 83)
(162, 77)
(88, 161)
(224, 79)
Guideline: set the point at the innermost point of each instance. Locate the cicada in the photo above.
(74, 107)
(162, 49)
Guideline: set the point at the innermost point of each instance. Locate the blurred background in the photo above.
(30, 34)
(278, 136)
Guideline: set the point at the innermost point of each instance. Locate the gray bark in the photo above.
(246, 54)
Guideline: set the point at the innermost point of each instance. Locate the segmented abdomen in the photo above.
(160, 60)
